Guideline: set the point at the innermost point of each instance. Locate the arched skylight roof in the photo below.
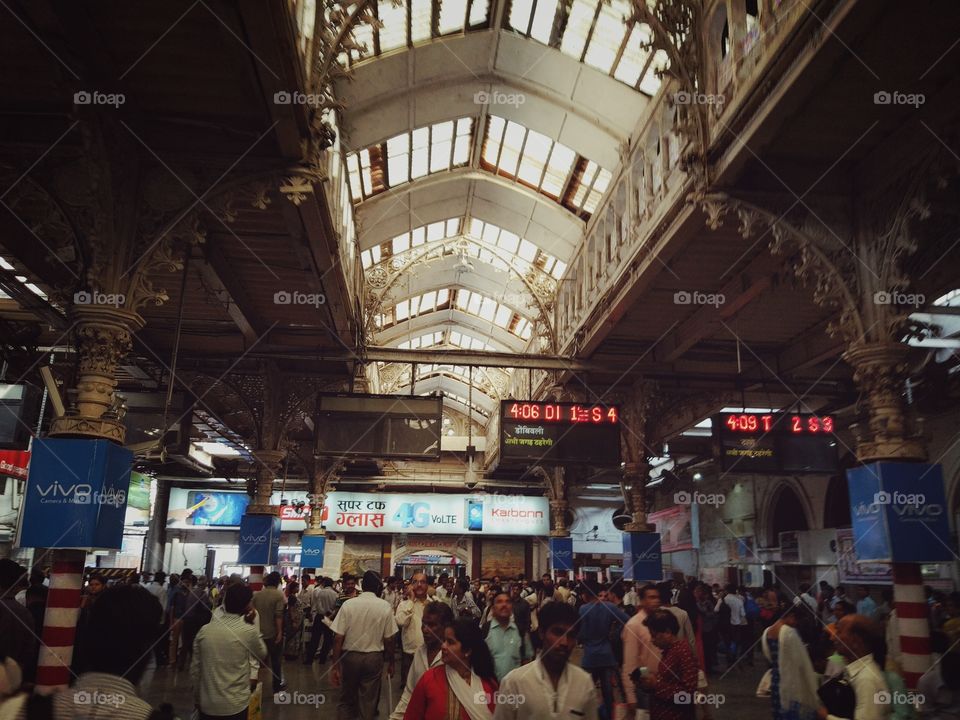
(409, 156)
(534, 160)
(595, 32)
(525, 254)
(467, 301)
(414, 21)
(510, 150)
(447, 337)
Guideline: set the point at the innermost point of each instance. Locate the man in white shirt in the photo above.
(409, 617)
(220, 669)
(738, 622)
(631, 597)
(436, 616)
(550, 686)
(857, 638)
(442, 592)
(364, 631)
(392, 594)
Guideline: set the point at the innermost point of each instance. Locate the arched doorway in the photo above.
(786, 513)
(836, 509)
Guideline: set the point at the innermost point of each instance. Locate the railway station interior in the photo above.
(559, 299)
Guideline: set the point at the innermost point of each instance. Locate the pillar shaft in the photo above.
(880, 370)
(635, 475)
(60, 620)
(558, 510)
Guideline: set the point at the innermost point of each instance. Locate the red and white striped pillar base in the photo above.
(913, 622)
(60, 620)
(256, 577)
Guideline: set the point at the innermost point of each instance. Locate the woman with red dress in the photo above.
(465, 686)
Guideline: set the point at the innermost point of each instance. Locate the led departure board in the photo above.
(556, 432)
(775, 442)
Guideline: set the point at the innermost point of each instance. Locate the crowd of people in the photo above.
(464, 649)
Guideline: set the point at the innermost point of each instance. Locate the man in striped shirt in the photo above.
(220, 670)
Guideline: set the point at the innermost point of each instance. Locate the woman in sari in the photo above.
(292, 622)
(793, 685)
(464, 687)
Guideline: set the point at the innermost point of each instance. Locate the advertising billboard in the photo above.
(374, 512)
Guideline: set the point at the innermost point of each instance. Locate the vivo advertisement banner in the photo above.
(311, 551)
(259, 540)
(642, 559)
(490, 513)
(561, 553)
(76, 495)
(898, 511)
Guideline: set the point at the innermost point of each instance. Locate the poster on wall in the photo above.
(361, 554)
(138, 501)
(789, 547)
(675, 528)
(852, 571)
(505, 558)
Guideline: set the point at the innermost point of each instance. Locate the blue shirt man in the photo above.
(509, 648)
(596, 620)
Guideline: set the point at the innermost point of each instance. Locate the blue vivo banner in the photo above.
(642, 559)
(899, 513)
(561, 553)
(259, 540)
(76, 495)
(311, 551)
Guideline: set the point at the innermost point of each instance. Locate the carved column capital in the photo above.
(558, 510)
(103, 335)
(880, 369)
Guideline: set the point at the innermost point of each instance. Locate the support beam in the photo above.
(478, 359)
(224, 282)
(742, 290)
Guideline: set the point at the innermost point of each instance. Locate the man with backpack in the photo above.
(510, 647)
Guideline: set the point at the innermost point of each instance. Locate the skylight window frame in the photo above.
(561, 19)
(378, 180)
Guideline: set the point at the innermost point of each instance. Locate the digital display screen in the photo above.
(551, 433)
(776, 442)
(752, 423)
(379, 426)
(563, 413)
(216, 508)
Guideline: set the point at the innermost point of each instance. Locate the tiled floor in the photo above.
(312, 696)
